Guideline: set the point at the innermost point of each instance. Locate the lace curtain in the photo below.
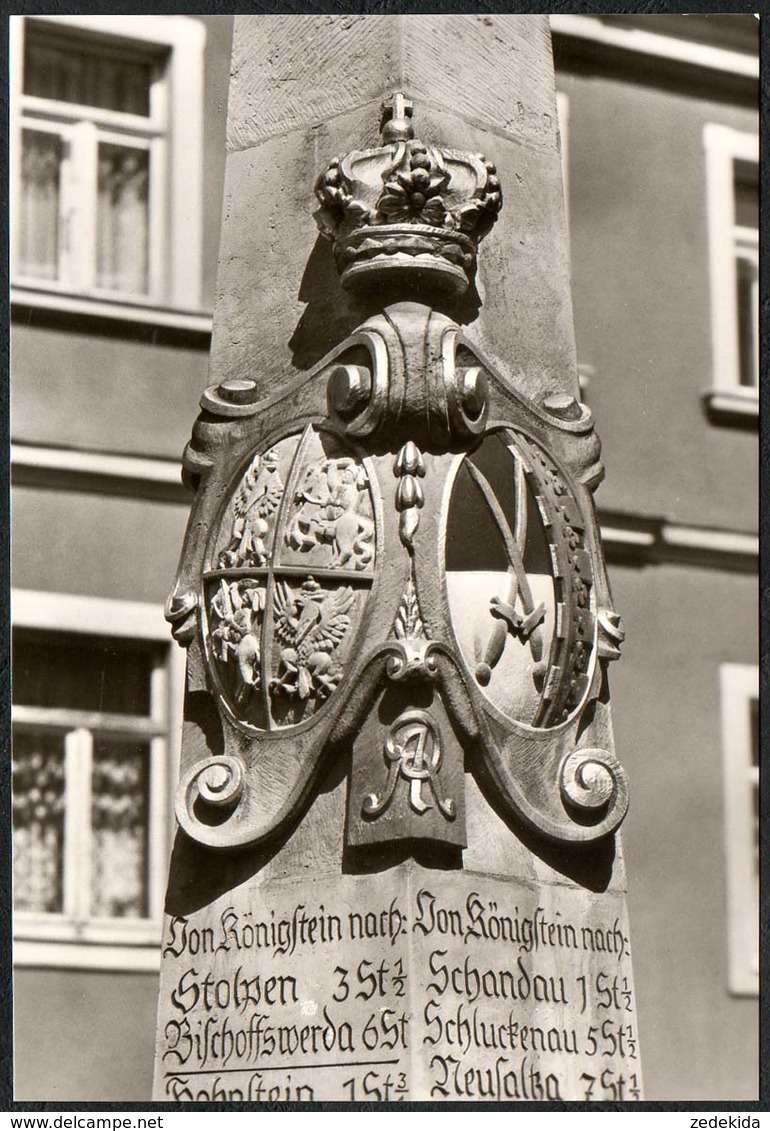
(119, 829)
(118, 825)
(38, 821)
(38, 221)
(123, 219)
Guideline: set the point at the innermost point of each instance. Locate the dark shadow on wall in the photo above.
(333, 312)
(199, 875)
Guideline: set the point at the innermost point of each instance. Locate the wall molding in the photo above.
(139, 322)
(640, 540)
(141, 312)
(732, 406)
(77, 612)
(685, 51)
(110, 473)
(84, 956)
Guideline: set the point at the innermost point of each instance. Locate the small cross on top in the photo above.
(397, 115)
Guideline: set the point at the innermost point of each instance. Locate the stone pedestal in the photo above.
(398, 872)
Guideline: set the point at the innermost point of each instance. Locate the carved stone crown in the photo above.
(407, 206)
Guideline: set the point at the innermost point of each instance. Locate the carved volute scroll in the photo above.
(398, 556)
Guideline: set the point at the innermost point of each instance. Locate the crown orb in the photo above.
(397, 119)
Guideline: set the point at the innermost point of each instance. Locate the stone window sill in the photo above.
(733, 406)
(130, 958)
(44, 940)
(109, 310)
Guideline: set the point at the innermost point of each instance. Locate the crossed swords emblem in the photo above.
(527, 624)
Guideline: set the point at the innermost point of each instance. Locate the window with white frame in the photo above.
(732, 182)
(740, 741)
(95, 707)
(106, 157)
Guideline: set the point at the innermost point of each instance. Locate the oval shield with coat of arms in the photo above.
(288, 573)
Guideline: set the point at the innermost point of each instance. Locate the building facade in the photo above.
(117, 169)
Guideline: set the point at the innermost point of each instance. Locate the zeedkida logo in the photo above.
(725, 1121)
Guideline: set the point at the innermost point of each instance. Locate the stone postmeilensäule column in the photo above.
(398, 872)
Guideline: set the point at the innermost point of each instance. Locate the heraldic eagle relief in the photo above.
(392, 575)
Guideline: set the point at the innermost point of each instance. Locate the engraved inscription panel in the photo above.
(426, 987)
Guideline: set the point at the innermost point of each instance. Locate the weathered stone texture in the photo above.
(292, 72)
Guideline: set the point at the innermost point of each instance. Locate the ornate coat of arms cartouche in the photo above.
(396, 560)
